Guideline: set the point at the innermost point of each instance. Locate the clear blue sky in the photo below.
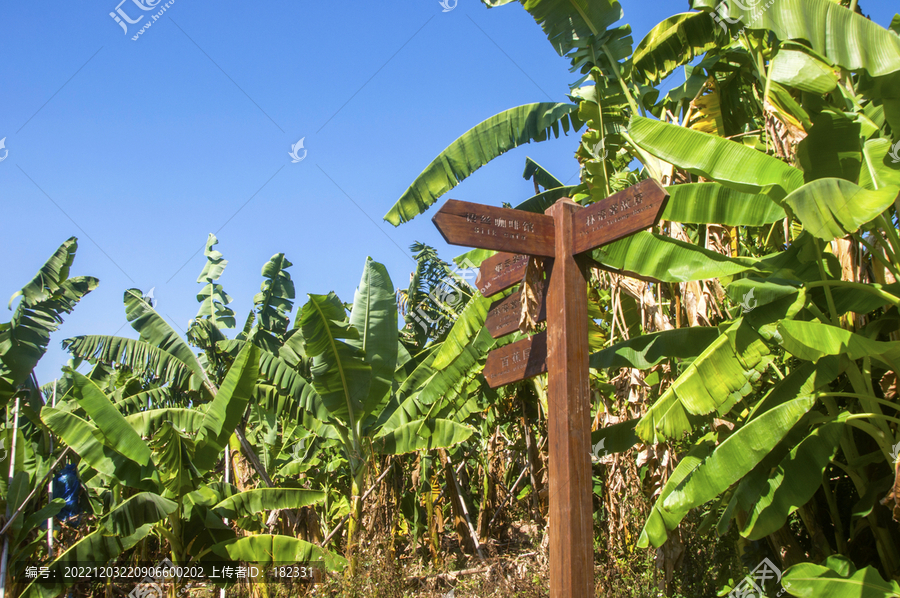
(141, 148)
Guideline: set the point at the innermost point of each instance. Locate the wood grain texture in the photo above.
(501, 229)
(517, 361)
(504, 315)
(500, 271)
(619, 215)
(569, 421)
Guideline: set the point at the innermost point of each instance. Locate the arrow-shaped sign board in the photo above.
(501, 229)
(517, 361)
(627, 212)
(501, 271)
(504, 315)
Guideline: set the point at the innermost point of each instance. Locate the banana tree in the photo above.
(354, 362)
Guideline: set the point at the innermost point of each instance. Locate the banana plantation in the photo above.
(743, 352)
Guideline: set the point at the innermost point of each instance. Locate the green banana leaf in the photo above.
(667, 259)
(172, 451)
(541, 175)
(249, 502)
(813, 340)
(832, 208)
(478, 146)
(675, 42)
(616, 438)
(802, 70)
(645, 351)
(712, 203)
(137, 355)
(213, 298)
(139, 510)
(660, 522)
(374, 315)
(273, 303)
(737, 456)
(155, 331)
(341, 376)
(424, 434)
(844, 37)
(567, 23)
(467, 326)
(146, 423)
(286, 378)
(225, 411)
(266, 549)
(85, 439)
(716, 380)
(728, 162)
(815, 581)
(793, 483)
(24, 340)
(831, 149)
(879, 169)
(53, 273)
(117, 432)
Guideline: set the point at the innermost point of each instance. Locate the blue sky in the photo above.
(141, 148)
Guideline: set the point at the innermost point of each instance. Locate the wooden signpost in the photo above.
(563, 233)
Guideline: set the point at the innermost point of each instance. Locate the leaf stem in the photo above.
(820, 262)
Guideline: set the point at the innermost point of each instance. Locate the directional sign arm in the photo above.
(619, 215)
(501, 229)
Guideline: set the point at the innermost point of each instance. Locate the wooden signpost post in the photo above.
(563, 234)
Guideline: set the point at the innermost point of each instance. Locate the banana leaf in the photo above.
(266, 549)
(737, 456)
(225, 411)
(478, 146)
(117, 432)
(340, 374)
(645, 351)
(712, 203)
(425, 434)
(807, 580)
(249, 502)
(845, 38)
(374, 315)
(728, 162)
(674, 42)
(793, 483)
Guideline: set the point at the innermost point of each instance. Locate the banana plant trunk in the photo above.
(355, 515)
